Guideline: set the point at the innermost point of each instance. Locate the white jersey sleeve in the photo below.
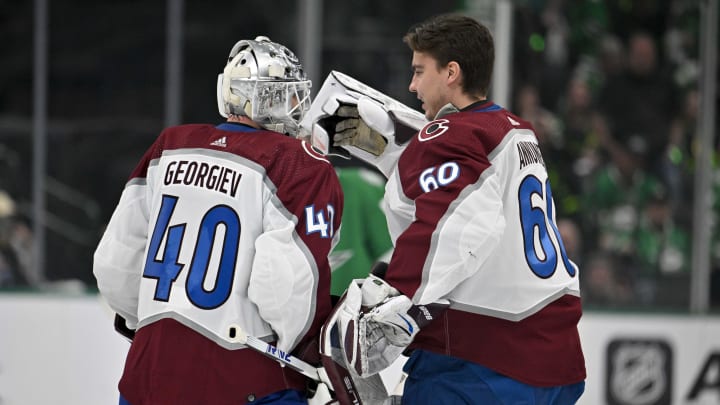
(119, 257)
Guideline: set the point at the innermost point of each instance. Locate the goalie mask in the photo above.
(264, 81)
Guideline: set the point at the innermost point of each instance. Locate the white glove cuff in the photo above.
(375, 290)
(375, 116)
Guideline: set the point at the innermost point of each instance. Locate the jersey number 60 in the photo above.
(535, 219)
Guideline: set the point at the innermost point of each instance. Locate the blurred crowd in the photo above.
(612, 90)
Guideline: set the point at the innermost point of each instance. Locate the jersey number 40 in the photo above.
(167, 269)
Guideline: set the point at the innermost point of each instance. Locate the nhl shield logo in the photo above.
(639, 372)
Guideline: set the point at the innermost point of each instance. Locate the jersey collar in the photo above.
(482, 106)
(236, 127)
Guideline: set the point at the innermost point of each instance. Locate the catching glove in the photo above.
(335, 350)
(353, 131)
(383, 333)
(381, 132)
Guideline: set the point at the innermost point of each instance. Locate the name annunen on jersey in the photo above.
(200, 174)
(529, 153)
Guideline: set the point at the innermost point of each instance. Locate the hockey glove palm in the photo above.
(390, 321)
(353, 131)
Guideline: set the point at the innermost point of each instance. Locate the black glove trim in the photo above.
(424, 314)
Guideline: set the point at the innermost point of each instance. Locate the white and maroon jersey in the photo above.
(471, 215)
(224, 229)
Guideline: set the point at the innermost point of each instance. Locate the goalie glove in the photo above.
(363, 346)
(395, 122)
(355, 129)
(348, 387)
(384, 333)
(372, 339)
(367, 131)
(400, 320)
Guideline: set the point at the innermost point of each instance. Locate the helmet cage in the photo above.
(264, 81)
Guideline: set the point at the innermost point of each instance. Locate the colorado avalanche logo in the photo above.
(433, 130)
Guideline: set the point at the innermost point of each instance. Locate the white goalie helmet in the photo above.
(264, 81)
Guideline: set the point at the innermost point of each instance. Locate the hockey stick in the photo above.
(322, 393)
(250, 341)
(344, 390)
(286, 359)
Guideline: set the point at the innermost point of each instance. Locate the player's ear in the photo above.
(454, 72)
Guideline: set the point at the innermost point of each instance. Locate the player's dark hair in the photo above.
(453, 37)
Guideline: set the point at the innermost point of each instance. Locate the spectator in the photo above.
(572, 238)
(662, 246)
(553, 144)
(641, 103)
(547, 125)
(615, 197)
(599, 67)
(588, 23)
(603, 283)
(681, 157)
(9, 268)
(662, 250)
(580, 156)
(16, 252)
